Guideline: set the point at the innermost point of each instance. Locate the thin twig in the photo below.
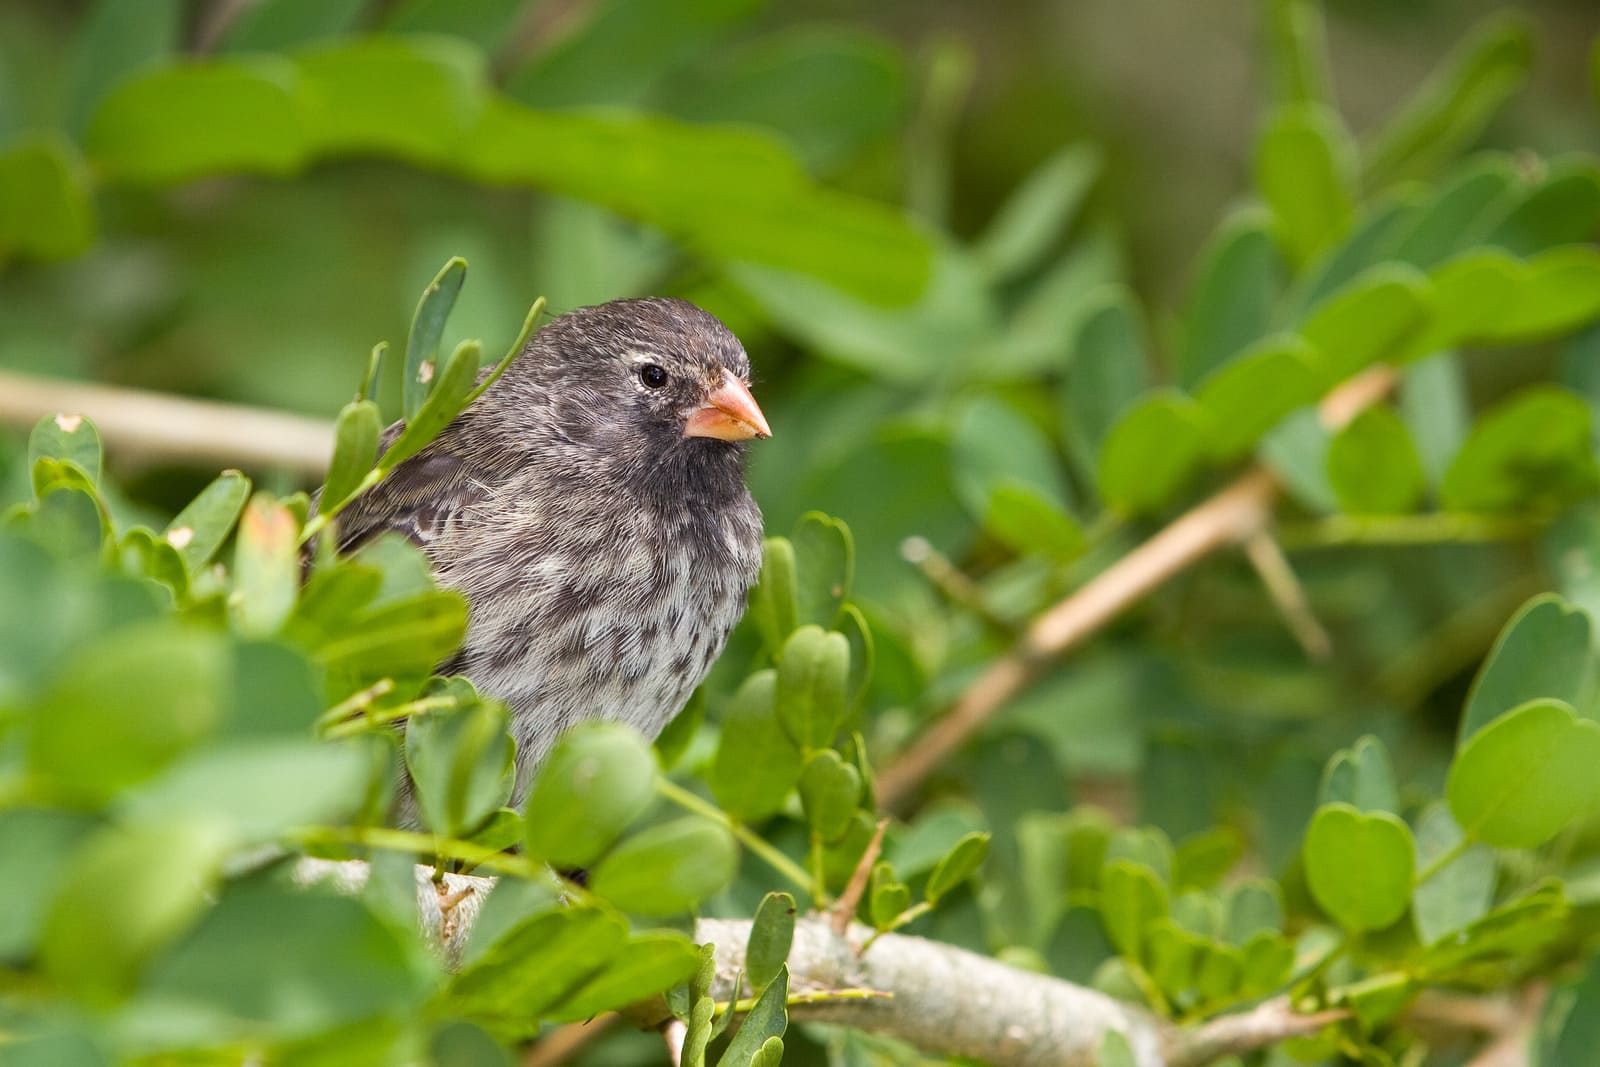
(159, 426)
(1287, 595)
(1510, 1047)
(565, 1042)
(1228, 1035)
(844, 909)
(1234, 514)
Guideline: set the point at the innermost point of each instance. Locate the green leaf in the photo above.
(1530, 452)
(181, 122)
(768, 1019)
(1433, 401)
(1359, 866)
(733, 194)
(1374, 319)
(756, 763)
(830, 790)
(1131, 898)
(485, 23)
(957, 865)
(1231, 301)
(1562, 209)
(1027, 520)
(461, 761)
(1115, 1050)
(255, 790)
(206, 521)
(1034, 216)
(993, 444)
(1151, 452)
(1555, 293)
(644, 967)
(1542, 651)
(1107, 373)
(279, 25)
(1523, 777)
(450, 396)
(319, 959)
(1456, 102)
(1461, 891)
(402, 636)
(824, 558)
(1247, 396)
(266, 567)
(774, 602)
(48, 837)
(45, 208)
(598, 779)
(142, 552)
(668, 868)
(355, 450)
(888, 898)
(69, 438)
(1305, 170)
(1361, 777)
(1299, 52)
(116, 40)
(1253, 908)
(125, 706)
(771, 934)
(813, 672)
(536, 964)
(858, 633)
(1373, 466)
(832, 92)
(675, 738)
(621, 49)
(125, 893)
(1267, 962)
(427, 327)
(1203, 859)
(1459, 214)
(1521, 928)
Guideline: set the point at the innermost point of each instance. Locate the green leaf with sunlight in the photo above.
(1305, 168)
(1373, 465)
(1544, 650)
(1518, 780)
(1359, 866)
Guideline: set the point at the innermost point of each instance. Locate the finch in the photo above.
(591, 506)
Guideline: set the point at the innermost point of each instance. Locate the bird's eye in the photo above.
(652, 376)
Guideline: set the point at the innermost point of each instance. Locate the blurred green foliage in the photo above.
(969, 339)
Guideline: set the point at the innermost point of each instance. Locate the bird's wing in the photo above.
(419, 499)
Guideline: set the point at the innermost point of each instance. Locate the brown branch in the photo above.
(565, 1042)
(844, 909)
(1231, 516)
(160, 426)
(1233, 1035)
(941, 999)
(1287, 595)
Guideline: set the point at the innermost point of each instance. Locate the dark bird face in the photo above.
(639, 381)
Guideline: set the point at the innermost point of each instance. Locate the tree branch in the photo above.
(944, 1000)
(1233, 515)
(160, 426)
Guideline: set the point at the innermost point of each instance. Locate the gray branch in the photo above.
(944, 1000)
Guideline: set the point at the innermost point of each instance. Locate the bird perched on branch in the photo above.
(592, 508)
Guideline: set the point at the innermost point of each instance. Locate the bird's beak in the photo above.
(729, 414)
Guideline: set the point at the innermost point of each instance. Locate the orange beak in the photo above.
(729, 414)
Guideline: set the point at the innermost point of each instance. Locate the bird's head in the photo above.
(651, 377)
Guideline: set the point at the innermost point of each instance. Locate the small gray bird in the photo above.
(591, 506)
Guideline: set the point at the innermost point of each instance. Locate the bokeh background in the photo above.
(1133, 122)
